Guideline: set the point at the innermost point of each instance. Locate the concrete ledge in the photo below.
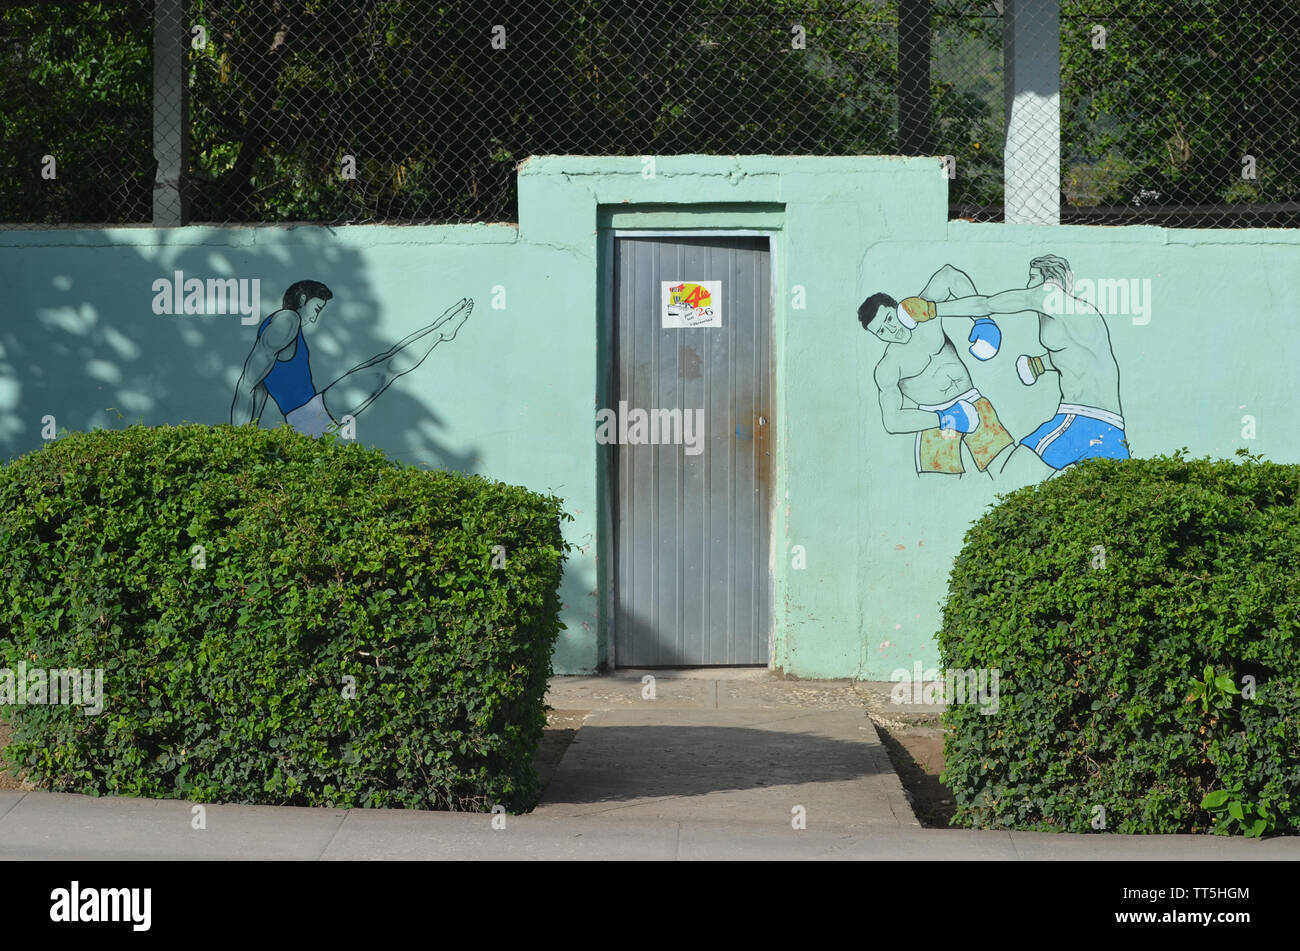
(746, 766)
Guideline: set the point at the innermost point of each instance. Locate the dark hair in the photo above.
(871, 306)
(300, 292)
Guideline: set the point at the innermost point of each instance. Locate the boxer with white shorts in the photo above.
(921, 367)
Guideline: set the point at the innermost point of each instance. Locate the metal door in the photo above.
(692, 578)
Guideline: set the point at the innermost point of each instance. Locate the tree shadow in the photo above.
(83, 346)
(90, 352)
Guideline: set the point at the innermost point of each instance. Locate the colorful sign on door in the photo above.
(691, 304)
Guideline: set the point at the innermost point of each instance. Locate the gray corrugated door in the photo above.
(692, 580)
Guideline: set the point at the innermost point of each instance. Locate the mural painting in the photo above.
(279, 365)
(926, 389)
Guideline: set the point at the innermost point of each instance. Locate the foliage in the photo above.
(349, 635)
(1177, 98)
(77, 81)
(1146, 681)
(1251, 818)
(436, 118)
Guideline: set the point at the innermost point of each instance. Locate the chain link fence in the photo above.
(392, 110)
(76, 113)
(349, 111)
(1181, 113)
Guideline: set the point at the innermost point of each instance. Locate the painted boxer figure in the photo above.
(921, 366)
(1089, 421)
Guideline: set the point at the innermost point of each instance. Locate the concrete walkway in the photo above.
(720, 764)
(724, 746)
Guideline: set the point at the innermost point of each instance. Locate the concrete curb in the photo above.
(690, 765)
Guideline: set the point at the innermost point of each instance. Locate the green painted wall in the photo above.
(510, 397)
(514, 395)
(1203, 365)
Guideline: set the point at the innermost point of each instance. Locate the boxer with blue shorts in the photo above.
(1076, 433)
(1077, 352)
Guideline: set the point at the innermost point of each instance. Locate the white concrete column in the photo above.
(171, 113)
(1031, 70)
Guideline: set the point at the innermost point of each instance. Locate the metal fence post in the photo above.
(171, 114)
(1031, 71)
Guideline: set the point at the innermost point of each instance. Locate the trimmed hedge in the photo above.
(326, 571)
(1130, 605)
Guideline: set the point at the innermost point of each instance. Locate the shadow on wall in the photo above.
(84, 345)
(80, 342)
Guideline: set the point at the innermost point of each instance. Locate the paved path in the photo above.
(748, 749)
(713, 767)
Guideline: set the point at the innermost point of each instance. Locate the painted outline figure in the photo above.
(1089, 421)
(279, 365)
(921, 365)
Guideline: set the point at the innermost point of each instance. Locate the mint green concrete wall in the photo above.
(510, 397)
(1206, 367)
(514, 395)
(833, 210)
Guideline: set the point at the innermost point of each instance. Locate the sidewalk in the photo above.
(710, 769)
(724, 746)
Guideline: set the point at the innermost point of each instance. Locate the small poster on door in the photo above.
(691, 304)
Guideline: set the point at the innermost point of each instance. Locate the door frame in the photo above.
(606, 382)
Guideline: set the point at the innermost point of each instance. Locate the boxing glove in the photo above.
(1029, 368)
(961, 416)
(915, 310)
(985, 338)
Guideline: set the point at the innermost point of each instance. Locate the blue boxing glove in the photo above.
(985, 338)
(961, 416)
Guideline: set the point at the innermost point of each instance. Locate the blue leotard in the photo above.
(289, 382)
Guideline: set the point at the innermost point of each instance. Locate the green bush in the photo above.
(326, 570)
(1127, 604)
